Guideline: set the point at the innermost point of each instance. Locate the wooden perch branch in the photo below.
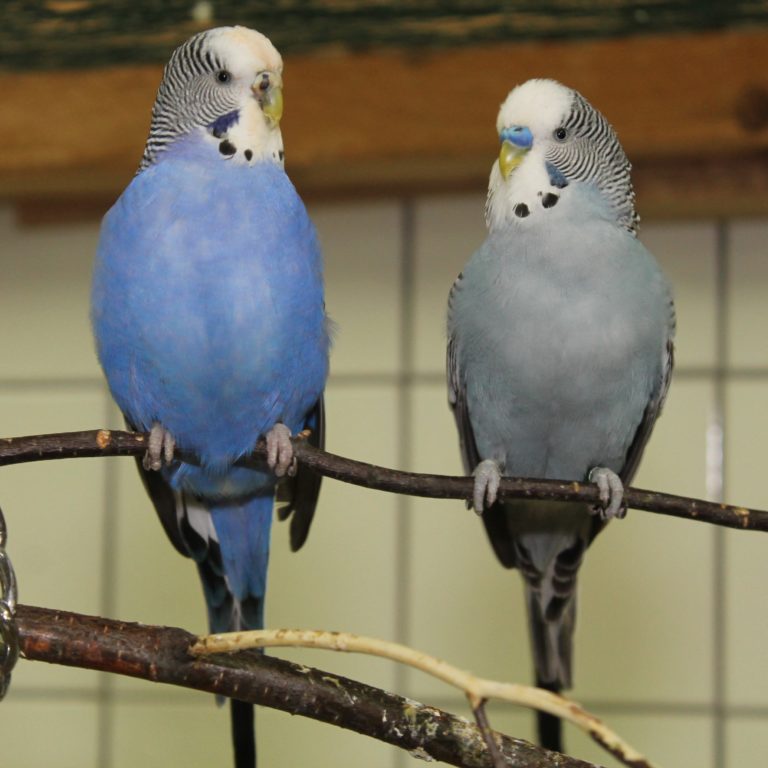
(162, 655)
(477, 689)
(66, 445)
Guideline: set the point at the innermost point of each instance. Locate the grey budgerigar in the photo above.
(560, 352)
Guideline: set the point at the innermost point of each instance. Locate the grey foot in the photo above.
(487, 476)
(611, 493)
(280, 456)
(159, 448)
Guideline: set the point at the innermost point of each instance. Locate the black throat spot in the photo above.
(550, 200)
(226, 147)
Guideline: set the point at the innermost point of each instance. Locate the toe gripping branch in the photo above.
(611, 493)
(9, 634)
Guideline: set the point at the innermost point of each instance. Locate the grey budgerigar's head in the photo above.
(225, 83)
(552, 137)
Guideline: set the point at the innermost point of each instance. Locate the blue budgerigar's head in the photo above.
(224, 84)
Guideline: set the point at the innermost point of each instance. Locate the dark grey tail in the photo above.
(549, 729)
(551, 629)
(243, 734)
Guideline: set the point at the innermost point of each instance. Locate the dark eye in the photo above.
(561, 134)
(223, 76)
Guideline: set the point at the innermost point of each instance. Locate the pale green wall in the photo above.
(659, 597)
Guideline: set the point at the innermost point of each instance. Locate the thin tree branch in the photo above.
(477, 689)
(66, 445)
(162, 655)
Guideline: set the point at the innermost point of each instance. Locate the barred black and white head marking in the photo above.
(572, 141)
(207, 83)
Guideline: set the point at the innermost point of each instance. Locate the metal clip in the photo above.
(9, 634)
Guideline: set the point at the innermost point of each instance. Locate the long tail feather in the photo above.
(552, 645)
(243, 734)
(549, 728)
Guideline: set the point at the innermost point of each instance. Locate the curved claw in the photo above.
(487, 476)
(611, 493)
(160, 448)
(280, 458)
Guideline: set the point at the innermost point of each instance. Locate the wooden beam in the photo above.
(398, 121)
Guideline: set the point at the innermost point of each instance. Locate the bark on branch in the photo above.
(102, 442)
(162, 654)
(477, 690)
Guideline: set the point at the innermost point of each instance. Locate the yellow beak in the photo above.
(268, 89)
(510, 156)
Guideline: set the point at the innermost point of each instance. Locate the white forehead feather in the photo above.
(540, 105)
(244, 51)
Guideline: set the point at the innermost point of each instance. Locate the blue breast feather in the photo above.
(208, 304)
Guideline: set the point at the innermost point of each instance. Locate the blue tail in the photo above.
(229, 541)
(238, 557)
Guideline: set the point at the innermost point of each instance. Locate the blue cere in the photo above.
(518, 135)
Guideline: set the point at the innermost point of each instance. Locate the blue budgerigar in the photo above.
(210, 322)
(560, 333)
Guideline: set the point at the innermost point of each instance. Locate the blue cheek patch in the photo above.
(518, 135)
(556, 178)
(221, 125)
